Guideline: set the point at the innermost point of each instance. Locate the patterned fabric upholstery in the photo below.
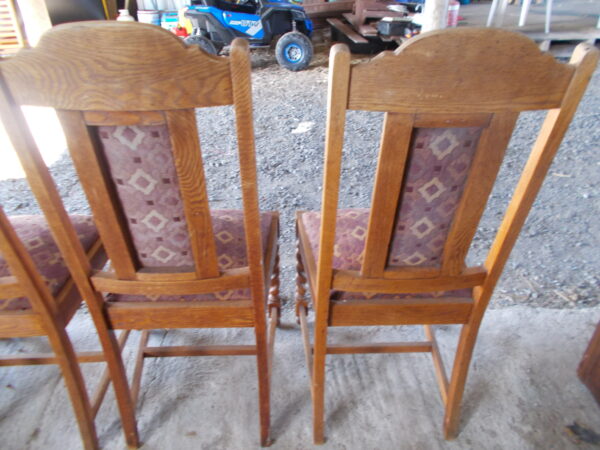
(141, 165)
(435, 176)
(436, 171)
(35, 235)
(348, 251)
(228, 227)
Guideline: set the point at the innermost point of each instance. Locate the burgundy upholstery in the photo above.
(436, 171)
(435, 176)
(228, 227)
(35, 235)
(141, 165)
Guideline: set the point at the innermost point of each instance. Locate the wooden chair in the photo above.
(38, 298)
(451, 99)
(125, 94)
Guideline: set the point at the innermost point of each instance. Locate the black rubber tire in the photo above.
(294, 51)
(202, 42)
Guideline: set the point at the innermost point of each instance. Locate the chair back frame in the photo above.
(153, 79)
(485, 85)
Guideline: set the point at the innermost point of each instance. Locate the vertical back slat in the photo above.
(190, 172)
(242, 97)
(103, 201)
(482, 176)
(394, 149)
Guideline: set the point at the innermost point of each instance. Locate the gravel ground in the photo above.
(555, 263)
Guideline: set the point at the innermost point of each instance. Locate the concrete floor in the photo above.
(521, 393)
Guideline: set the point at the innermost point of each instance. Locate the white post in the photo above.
(435, 15)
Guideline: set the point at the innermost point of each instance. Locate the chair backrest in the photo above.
(451, 100)
(23, 280)
(127, 111)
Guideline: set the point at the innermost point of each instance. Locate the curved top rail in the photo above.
(491, 70)
(116, 66)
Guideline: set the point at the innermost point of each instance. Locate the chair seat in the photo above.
(35, 234)
(230, 240)
(350, 239)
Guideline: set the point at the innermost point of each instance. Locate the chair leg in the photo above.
(264, 400)
(71, 372)
(118, 376)
(462, 360)
(300, 282)
(274, 300)
(318, 381)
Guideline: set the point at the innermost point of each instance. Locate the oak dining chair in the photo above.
(38, 298)
(125, 94)
(451, 99)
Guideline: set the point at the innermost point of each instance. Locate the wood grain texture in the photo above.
(337, 98)
(480, 181)
(123, 118)
(400, 312)
(488, 77)
(101, 195)
(584, 61)
(138, 67)
(393, 153)
(108, 282)
(350, 281)
(140, 316)
(192, 185)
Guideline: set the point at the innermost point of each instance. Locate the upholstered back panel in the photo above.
(436, 171)
(141, 165)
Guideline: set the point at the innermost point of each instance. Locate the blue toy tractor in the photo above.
(218, 22)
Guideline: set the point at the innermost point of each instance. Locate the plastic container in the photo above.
(149, 16)
(453, 8)
(124, 16)
(169, 20)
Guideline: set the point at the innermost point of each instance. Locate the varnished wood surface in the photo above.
(138, 67)
(505, 71)
(450, 78)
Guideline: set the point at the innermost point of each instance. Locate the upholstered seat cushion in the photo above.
(35, 234)
(230, 240)
(350, 239)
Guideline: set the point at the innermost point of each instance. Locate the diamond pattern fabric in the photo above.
(437, 168)
(436, 172)
(37, 238)
(141, 165)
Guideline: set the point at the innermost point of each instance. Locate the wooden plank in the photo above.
(10, 288)
(109, 282)
(122, 118)
(19, 324)
(182, 77)
(476, 84)
(101, 195)
(35, 359)
(199, 350)
(400, 312)
(192, 185)
(348, 280)
(231, 314)
(452, 120)
(347, 30)
(388, 347)
(393, 154)
(482, 176)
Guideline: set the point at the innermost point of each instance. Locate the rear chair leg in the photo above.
(462, 360)
(300, 283)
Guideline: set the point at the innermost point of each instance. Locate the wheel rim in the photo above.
(293, 53)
